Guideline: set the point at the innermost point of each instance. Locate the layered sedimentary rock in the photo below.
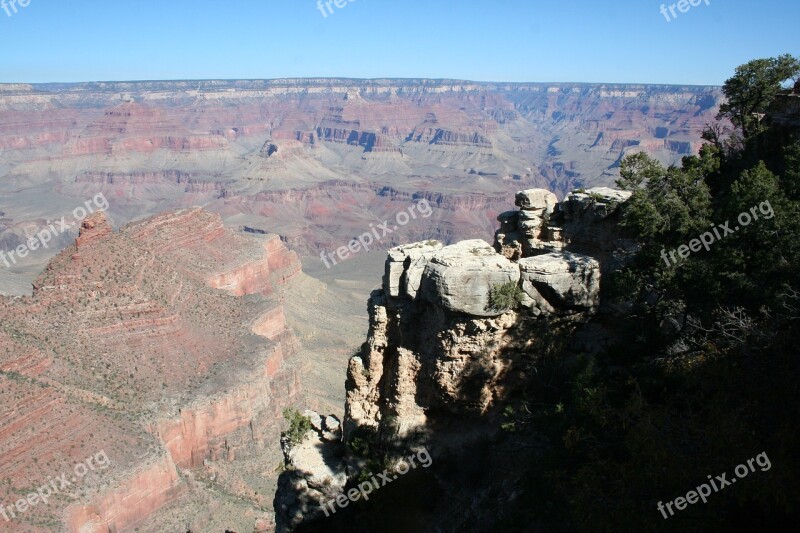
(150, 487)
(224, 261)
(129, 346)
(524, 231)
(585, 222)
(275, 153)
(443, 353)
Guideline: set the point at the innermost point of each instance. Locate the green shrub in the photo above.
(299, 425)
(504, 297)
(363, 441)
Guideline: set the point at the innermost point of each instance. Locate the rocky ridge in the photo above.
(442, 352)
(161, 344)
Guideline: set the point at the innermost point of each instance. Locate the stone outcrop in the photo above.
(437, 347)
(95, 227)
(404, 268)
(460, 277)
(442, 353)
(561, 281)
(522, 233)
(585, 222)
(316, 473)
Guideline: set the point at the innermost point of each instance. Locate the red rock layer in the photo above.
(235, 263)
(137, 128)
(126, 347)
(151, 488)
(270, 324)
(211, 429)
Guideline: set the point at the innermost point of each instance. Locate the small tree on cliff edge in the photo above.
(299, 425)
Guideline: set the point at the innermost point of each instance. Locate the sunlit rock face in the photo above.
(132, 345)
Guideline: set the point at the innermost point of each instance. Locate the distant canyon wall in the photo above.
(246, 149)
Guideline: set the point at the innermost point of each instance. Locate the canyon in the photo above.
(317, 160)
(172, 329)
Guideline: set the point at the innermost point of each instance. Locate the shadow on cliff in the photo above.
(408, 504)
(479, 466)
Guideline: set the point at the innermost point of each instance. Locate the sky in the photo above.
(612, 41)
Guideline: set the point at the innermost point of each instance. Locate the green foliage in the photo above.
(299, 425)
(516, 418)
(372, 467)
(649, 417)
(752, 89)
(667, 203)
(597, 197)
(504, 297)
(791, 177)
(363, 442)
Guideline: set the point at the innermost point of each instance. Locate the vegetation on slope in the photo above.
(703, 371)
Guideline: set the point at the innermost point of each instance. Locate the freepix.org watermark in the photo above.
(98, 461)
(707, 239)
(53, 229)
(326, 6)
(365, 489)
(682, 6)
(10, 6)
(720, 482)
(380, 232)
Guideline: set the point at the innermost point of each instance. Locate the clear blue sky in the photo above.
(491, 40)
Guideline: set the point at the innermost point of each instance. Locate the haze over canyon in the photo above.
(317, 160)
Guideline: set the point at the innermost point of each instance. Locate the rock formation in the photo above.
(444, 347)
(156, 344)
(316, 472)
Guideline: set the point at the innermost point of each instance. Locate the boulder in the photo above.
(562, 280)
(460, 277)
(332, 429)
(536, 200)
(404, 267)
(315, 418)
(332, 423)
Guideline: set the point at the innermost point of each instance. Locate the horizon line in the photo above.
(352, 79)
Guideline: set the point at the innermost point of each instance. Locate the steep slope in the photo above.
(128, 346)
